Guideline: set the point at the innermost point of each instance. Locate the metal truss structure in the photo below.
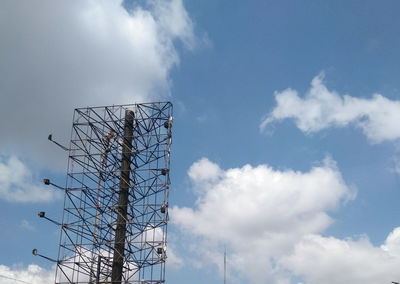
(114, 227)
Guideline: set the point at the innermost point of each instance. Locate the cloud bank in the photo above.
(322, 108)
(57, 55)
(271, 222)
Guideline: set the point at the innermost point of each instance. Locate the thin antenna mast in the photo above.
(224, 264)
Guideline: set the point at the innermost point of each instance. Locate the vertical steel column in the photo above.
(98, 269)
(120, 232)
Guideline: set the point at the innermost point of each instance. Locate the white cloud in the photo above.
(57, 55)
(395, 164)
(173, 261)
(260, 213)
(17, 184)
(204, 173)
(32, 274)
(333, 261)
(174, 20)
(272, 220)
(322, 108)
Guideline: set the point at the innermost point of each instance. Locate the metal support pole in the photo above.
(98, 269)
(224, 264)
(118, 258)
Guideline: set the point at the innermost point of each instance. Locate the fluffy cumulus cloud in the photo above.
(321, 108)
(32, 274)
(260, 213)
(271, 222)
(58, 55)
(17, 184)
(329, 260)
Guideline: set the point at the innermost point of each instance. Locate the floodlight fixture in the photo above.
(35, 253)
(47, 181)
(164, 207)
(42, 214)
(50, 138)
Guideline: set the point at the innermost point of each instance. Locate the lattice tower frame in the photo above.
(114, 226)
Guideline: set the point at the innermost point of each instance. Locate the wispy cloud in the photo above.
(321, 108)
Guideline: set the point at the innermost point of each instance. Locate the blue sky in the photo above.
(286, 141)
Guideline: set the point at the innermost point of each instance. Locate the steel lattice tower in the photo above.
(114, 227)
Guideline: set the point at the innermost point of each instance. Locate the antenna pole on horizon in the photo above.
(224, 264)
